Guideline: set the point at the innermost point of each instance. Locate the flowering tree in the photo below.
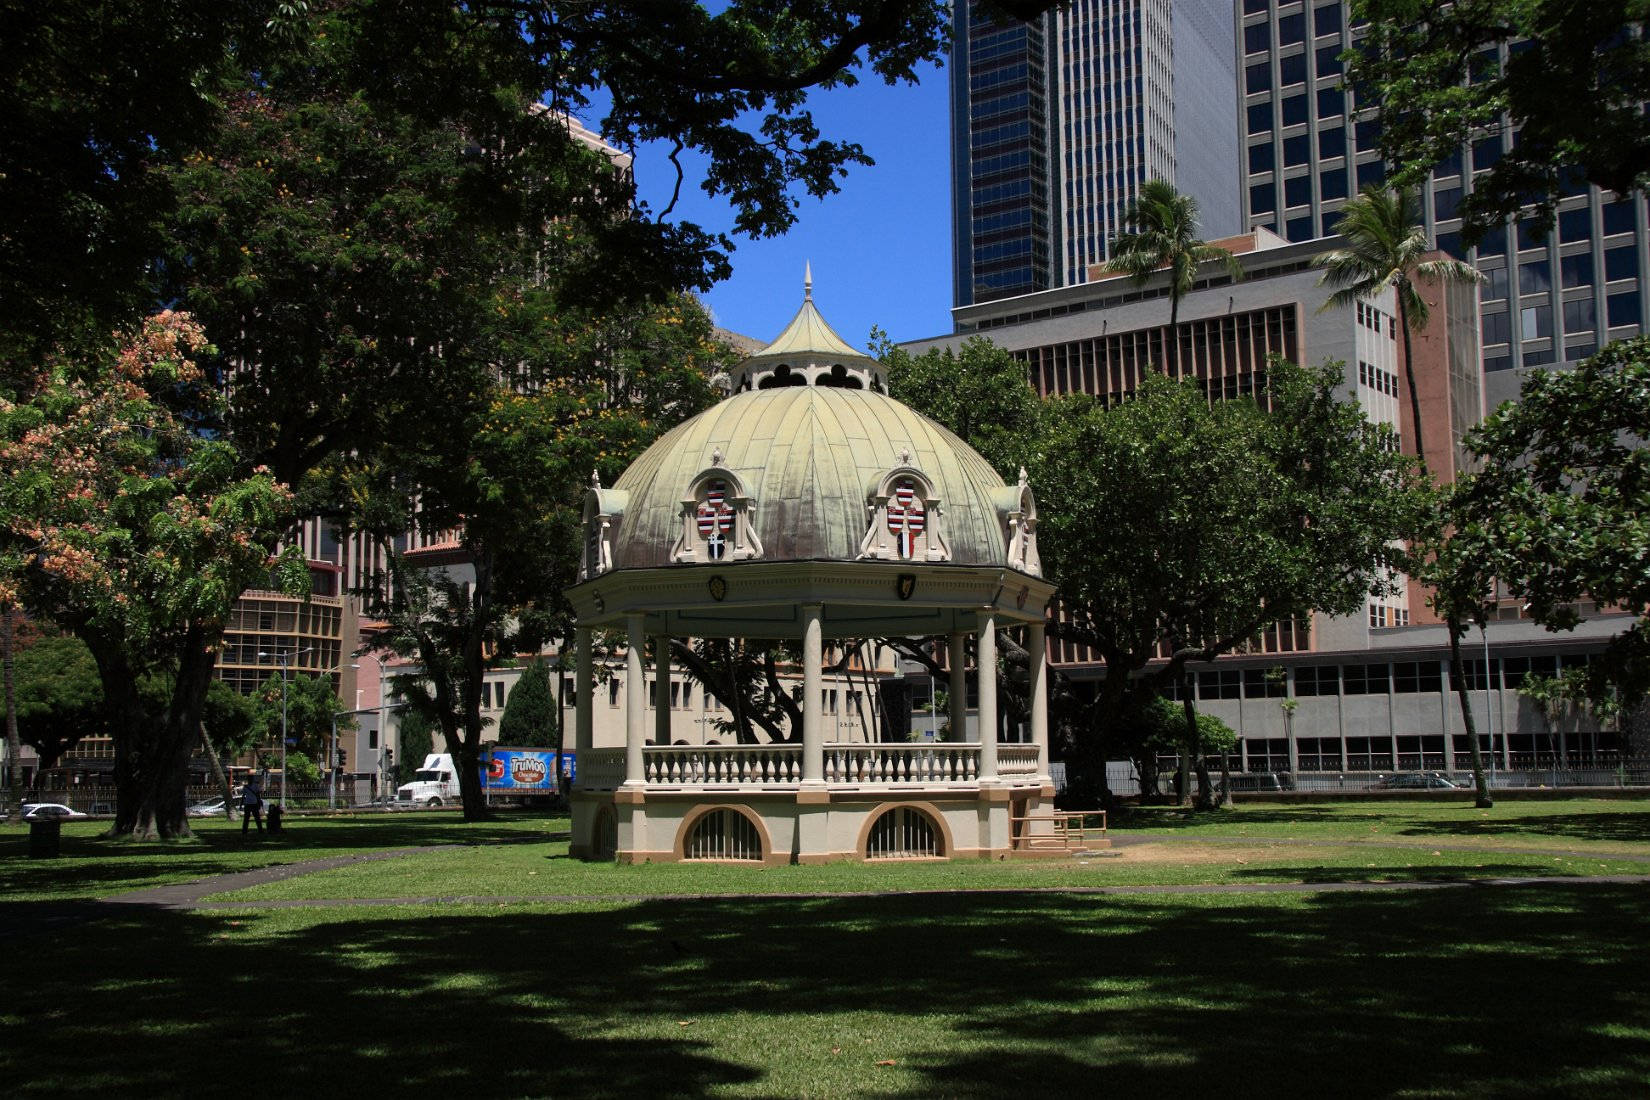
(128, 522)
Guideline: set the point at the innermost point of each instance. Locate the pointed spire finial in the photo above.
(807, 281)
(595, 479)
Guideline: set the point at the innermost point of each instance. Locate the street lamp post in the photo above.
(285, 661)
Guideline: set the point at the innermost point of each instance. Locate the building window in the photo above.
(1618, 217)
(1576, 270)
(1317, 680)
(1260, 118)
(1535, 322)
(1579, 317)
(1416, 677)
(1364, 680)
(1534, 277)
(1294, 110)
(1220, 684)
(1261, 683)
(1575, 225)
(1624, 309)
(1261, 158)
(1621, 263)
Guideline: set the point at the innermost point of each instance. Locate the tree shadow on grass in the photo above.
(92, 863)
(1158, 818)
(1615, 825)
(1515, 991)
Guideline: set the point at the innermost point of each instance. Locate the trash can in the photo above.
(45, 836)
(275, 818)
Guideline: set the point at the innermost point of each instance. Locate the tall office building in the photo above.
(1308, 146)
(1056, 123)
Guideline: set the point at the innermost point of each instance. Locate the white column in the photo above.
(584, 680)
(661, 697)
(958, 660)
(987, 673)
(813, 681)
(1037, 644)
(635, 702)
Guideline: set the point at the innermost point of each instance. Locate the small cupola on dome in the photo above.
(810, 353)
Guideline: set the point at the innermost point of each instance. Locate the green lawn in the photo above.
(1517, 991)
(545, 869)
(1597, 825)
(91, 866)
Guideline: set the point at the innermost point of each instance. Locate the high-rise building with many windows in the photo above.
(1308, 146)
(1057, 122)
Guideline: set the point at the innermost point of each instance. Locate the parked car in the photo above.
(1418, 782)
(212, 807)
(46, 811)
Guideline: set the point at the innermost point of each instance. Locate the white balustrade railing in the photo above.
(1016, 760)
(928, 762)
(601, 769)
(722, 765)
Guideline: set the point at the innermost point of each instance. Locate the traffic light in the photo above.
(389, 757)
(342, 760)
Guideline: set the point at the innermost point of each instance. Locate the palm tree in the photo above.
(1162, 233)
(1384, 245)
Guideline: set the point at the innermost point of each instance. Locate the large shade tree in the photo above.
(127, 525)
(1178, 529)
(1559, 509)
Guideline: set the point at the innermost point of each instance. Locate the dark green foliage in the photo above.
(531, 718)
(415, 732)
(1177, 526)
(310, 706)
(59, 695)
(95, 98)
(233, 721)
(1560, 511)
(1573, 88)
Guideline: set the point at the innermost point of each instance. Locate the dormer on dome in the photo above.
(905, 517)
(603, 509)
(716, 518)
(1017, 512)
(810, 353)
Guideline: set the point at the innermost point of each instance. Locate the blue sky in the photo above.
(880, 248)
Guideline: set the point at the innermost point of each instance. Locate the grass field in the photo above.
(1493, 990)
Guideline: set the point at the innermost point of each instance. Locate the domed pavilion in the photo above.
(809, 505)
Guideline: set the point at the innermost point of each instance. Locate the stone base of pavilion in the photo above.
(803, 823)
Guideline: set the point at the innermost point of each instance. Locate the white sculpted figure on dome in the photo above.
(905, 517)
(1021, 529)
(603, 509)
(716, 519)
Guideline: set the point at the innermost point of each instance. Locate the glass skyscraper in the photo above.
(1308, 146)
(1056, 123)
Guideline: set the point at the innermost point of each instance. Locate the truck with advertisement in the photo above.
(512, 771)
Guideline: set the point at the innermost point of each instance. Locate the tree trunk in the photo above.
(1189, 752)
(218, 773)
(14, 743)
(1457, 674)
(1409, 380)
